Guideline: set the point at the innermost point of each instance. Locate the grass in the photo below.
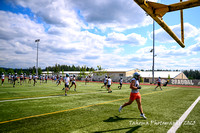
(92, 109)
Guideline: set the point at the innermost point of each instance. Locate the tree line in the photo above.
(191, 74)
(56, 68)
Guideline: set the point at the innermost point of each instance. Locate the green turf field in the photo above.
(44, 108)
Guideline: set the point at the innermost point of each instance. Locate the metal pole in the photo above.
(37, 41)
(153, 51)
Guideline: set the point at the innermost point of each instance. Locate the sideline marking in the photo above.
(183, 117)
(61, 111)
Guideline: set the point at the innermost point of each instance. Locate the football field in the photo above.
(44, 108)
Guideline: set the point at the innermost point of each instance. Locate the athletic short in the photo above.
(2, 80)
(104, 83)
(21, 78)
(134, 96)
(108, 86)
(120, 83)
(66, 86)
(158, 83)
(73, 83)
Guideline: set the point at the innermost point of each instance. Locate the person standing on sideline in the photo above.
(120, 83)
(135, 94)
(158, 83)
(109, 82)
(67, 80)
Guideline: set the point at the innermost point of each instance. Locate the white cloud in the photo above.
(132, 39)
(66, 41)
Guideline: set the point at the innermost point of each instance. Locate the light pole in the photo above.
(37, 41)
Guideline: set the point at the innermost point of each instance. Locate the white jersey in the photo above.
(21, 76)
(74, 79)
(136, 85)
(30, 76)
(67, 80)
(120, 81)
(159, 80)
(105, 80)
(109, 81)
(2, 76)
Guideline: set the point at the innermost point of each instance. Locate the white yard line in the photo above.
(183, 117)
(33, 98)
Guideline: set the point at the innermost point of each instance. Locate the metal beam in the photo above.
(150, 11)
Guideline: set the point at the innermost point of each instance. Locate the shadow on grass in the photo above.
(132, 129)
(117, 118)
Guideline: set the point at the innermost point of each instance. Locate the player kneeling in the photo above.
(135, 95)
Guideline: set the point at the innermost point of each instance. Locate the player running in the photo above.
(120, 83)
(34, 79)
(86, 80)
(2, 78)
(66, 80)
(135, 95)
(30, 78)
(158, 83)
(105, 82)
(24, 78)
(109, 82)
(15, 79)
(9, 78)
(21, 78)
(59, 80)
(46, 78)
(73, 82)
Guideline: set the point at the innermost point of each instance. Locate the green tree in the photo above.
(62, 72)
(10, 71)
(2, 70)
(100, 71)
(82, 71)
(56, 69)
(168, 76)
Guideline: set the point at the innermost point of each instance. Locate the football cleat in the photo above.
(142, 115)
(120, 108)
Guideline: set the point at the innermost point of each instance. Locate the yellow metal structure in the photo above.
(157, 11)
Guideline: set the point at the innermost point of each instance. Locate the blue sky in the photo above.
(113, 34)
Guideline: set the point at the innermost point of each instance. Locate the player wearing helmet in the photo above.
(73, 82)
(2, 78)
(15, 79)
(59, 80)
(109, 82)
(21, 78)
(9, 78)
(120, 83)
(135, 95)
(30, 78)
(66, 80)
(158, 83)
(105, 81)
